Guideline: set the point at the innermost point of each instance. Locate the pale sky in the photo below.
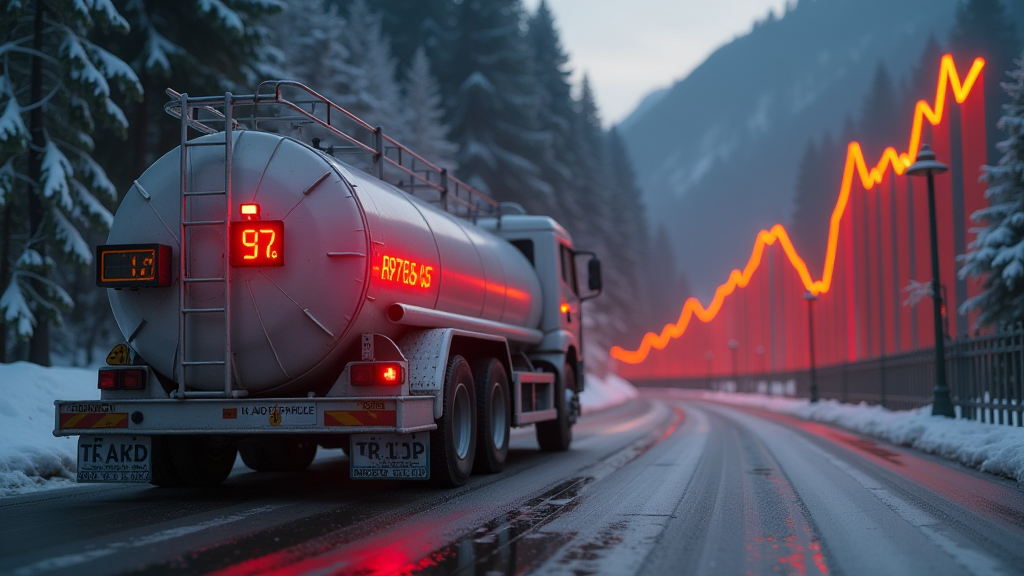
(632, 47)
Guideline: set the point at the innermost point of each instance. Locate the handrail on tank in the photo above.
(472, 204)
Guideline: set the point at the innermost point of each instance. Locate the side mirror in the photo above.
(594, 273)
(593, 283)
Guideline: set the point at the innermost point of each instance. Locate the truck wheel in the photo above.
(453, 444)
(202, 460)
(492, 416)
(556, 435)
(163, 469)
(278, 453)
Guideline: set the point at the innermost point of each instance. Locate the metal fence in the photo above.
(986, 379)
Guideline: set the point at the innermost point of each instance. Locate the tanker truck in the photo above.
(280, 293)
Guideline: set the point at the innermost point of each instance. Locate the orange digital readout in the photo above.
(257, 243)
(394, 269)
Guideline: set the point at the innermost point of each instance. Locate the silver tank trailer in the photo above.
(353, 246)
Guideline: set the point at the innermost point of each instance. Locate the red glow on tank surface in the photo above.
(856, 166)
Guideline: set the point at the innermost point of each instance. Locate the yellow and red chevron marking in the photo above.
(360, 418)
(84, 420)
(856, 166)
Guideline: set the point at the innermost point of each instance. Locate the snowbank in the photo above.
(31, 458)
(599, 393)
(992, 448)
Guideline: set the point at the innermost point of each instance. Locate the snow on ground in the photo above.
(993, 448)
(31, 457)
(599, 393)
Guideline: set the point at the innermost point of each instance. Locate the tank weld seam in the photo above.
(273, 349)
(259, 182)
(166, 227)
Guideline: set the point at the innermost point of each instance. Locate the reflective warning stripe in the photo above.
(360, 418)
(85, 420)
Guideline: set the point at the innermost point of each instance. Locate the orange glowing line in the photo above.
(855, 166)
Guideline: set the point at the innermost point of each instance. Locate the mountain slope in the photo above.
(718, 154)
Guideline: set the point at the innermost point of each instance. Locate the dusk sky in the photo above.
(632, 48)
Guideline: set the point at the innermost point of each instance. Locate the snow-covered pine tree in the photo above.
(427, 134)
(997, 254)
(201, 47)
(554, 112)
(492, 104)
(55, 92)
(368, 87)
(309, 34)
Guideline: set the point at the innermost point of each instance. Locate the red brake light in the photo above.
(107, 380)
(389, 374)
(133, 379)
(361, 375)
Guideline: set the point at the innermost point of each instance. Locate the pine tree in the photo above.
(489, 88)
(880, 124)
(201, 47)
(309, 34)
(427, 133)
(555, 109)
(369, 88)
(984, 28)
(415, 24)
(56, 92)
(997, 254)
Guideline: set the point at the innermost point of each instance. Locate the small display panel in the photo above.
(407, 272)
(257, 243)
(133, 266)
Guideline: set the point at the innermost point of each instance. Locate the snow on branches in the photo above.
(997, 254)
(50, 164)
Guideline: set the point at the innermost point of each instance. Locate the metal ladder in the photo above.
(185, 310)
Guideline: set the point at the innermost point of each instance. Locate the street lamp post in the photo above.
(811, 297)
(733, 346)
(926, 165)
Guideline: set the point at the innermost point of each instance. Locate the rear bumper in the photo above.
(391, 414)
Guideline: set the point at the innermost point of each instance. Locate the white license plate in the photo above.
(114, 459)
(390, 456)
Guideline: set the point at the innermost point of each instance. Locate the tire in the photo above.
(201, 460)
(164, 475)
(453, 443)
(493, 415)
(278, 453)
(556, 435)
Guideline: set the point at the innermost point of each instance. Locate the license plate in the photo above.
(390, 456)
(114, 459)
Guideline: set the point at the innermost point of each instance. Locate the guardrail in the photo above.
(986, 379)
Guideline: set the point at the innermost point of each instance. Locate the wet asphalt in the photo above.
(665, 484)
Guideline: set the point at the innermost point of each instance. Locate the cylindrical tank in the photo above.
(352, 246)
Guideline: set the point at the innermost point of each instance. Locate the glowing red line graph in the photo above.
(855, 166)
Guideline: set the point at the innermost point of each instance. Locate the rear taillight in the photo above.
(133, 379)
(376, 374)
(108, 380)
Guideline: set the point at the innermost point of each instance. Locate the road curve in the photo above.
(666, 484)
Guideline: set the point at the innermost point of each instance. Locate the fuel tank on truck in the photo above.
(352, 245)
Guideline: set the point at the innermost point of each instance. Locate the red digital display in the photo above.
(257, 243)
(402, 271)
